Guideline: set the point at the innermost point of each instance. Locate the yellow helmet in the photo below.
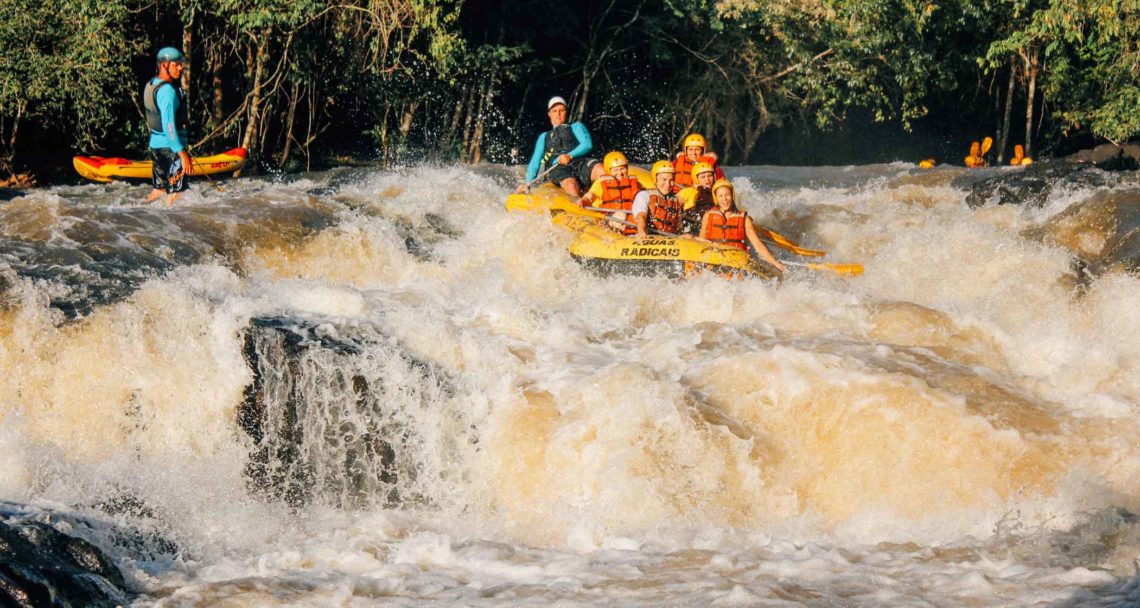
(723, 183)
(696, 139)
(615, 159)
(700, 168)
(662, 166)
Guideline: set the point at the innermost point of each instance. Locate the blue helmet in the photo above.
(170, 53)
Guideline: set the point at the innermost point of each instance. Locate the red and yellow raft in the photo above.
(101, 169)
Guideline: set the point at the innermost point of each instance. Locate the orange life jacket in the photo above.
(619, 193)
(684, 168)
(665, 213)
(727, 230)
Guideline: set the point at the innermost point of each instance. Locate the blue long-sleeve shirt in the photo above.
(585, 145)
(167, 101)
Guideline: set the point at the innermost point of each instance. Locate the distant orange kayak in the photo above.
(102, 169)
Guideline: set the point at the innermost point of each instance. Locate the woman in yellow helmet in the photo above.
(615, 190)
(727, 225)
(696, 150)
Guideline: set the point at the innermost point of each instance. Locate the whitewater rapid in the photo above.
(377, 387)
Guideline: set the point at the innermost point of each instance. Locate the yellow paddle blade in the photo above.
(843, 270)
(986, 143)
(785, 243)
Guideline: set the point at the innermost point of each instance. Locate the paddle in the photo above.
(784, 242)
(843, 270)
(540, 176)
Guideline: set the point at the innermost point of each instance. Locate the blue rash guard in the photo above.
(585, 145)
(170, 137)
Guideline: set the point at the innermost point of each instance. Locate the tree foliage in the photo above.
(59, 63)
(303, 80)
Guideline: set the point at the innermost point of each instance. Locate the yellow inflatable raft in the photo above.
(599, 248)
(101, 169)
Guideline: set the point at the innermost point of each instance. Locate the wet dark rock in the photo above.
(1103, 232)
(7, 194)
(1110, 157)
(43, 567)
(1031, 185)
(142, 542)
(320, 413)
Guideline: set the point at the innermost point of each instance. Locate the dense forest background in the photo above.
(308, 83)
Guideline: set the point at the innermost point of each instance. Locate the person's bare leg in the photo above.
(154, 194)
(570, 185)
(172, 198)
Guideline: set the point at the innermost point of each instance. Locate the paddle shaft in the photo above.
(541, 175)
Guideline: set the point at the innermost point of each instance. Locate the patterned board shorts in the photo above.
(166, 166)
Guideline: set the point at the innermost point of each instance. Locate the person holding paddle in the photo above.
(165, 103)
(727, 225)
(977, 157)
(615, 190)
(562, 150)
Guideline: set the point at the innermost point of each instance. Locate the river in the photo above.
(377, 387)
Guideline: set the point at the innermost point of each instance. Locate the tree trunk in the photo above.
(8, 162)
(406, 120)
(472, 109)
(1031, 64)
(289, 120)
(385, 153)
(218, 112)
(309, 128)
(263, 141)
(456, 117)
(476, 154)
(1008, 111)
(187, 77)
(251, 128)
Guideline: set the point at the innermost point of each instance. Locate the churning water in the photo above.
(368, 387)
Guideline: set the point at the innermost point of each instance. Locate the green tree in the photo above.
(64, 64)
(1082, 56)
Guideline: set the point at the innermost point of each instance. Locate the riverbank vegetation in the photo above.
(300, 82)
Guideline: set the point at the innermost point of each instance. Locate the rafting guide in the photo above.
(559, 154)
(166, 117)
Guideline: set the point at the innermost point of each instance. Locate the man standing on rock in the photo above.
(166, 117)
